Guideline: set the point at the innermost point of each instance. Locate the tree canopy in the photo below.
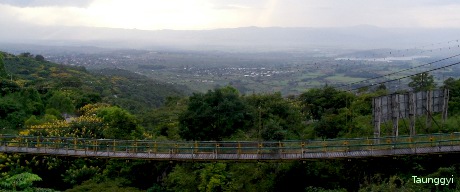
(422, 82)
(120, 124)
(213, 115)
(316, 102)
(275, 117)
(20, 181)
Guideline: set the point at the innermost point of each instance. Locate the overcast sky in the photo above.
(212, 14)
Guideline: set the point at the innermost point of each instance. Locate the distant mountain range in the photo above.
(231, 39)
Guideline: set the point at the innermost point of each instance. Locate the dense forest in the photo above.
(47, 99)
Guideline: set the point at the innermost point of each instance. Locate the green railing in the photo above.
(232, 147)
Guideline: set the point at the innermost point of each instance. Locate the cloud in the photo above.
(47, 3)
(382, 13)
(231, 7)
(211, 14)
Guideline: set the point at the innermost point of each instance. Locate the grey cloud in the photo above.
(437, 2)
(230, 7)
(47, 3)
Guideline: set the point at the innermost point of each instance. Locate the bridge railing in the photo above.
(231, 147)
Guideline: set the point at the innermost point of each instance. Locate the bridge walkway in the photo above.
(232, 150)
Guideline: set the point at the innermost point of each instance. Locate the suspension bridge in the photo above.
(232, 150)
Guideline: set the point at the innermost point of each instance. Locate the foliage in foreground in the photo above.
(21, 181)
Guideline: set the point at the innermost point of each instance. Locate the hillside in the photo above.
(115, 86)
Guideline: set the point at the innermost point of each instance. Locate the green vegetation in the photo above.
(46, 99)
(20, 181)
(213, 115)
(422, 82)
(131, 91)
(119, 124)
(2, 67)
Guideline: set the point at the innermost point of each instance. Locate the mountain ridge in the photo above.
(249, 38)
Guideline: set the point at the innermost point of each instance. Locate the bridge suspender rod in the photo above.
(114, 146)
(239, 147)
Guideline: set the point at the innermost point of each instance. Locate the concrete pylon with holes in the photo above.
(396, 107)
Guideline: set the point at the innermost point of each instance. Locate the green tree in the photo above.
(75, 175)
(274, 117)
(33, 120)
(118, 185)
(212, 116)
(381, 87)
(61, 102)
(214, 178)
(183, 179)
(326, 100)
(134, 171)
(25, 54)
(454, 94)
(20, 181)
(3, 73)
(32, 102)
(120, 124)
(87, 98)
(450, 83)
(7, 87)
(164, 121)
(330, 125)
(39, 58)
(422, 82)
(272, 131)
(12, 114)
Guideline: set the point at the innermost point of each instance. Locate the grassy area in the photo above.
(343, 79)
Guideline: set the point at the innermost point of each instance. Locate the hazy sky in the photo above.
(211, 14)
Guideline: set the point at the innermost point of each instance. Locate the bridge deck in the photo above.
(216, 156)
(232, 150)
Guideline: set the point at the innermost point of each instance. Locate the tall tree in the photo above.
(326, 100)
(61, 102)
(422, 82)
(12, 113)
(212, 116)
(450, 83)
(274, 117)
(454, 94)
(120, 124)
(32, 102)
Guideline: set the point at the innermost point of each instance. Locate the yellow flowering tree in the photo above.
(87, 125)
